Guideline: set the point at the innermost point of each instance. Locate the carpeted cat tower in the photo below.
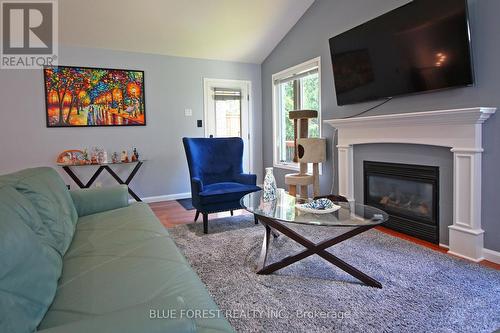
(306, 150)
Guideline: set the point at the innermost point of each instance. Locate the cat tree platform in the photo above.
(302, 181)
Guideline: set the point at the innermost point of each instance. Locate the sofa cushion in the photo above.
(29, 267)
(125, 259)
(224, 192)
(48, 193)
(90, 201)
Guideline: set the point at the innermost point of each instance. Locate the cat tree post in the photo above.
(304, 133)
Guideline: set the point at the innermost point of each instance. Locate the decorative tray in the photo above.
(319, 206)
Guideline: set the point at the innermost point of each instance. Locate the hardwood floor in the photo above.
(171, 213)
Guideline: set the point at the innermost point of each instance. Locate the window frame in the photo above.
(276, 97)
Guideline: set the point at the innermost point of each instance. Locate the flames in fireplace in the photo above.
(402, 196)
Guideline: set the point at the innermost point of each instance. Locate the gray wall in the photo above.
(171, 85)
(327, 18)
(411, 154)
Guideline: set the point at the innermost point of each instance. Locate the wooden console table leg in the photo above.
(94, 177)
(72, 175)
(127, 182)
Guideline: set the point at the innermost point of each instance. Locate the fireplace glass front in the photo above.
(408, 193)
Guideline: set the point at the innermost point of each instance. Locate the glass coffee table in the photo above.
(274, 215)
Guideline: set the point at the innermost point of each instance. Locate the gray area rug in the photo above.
(423, 290)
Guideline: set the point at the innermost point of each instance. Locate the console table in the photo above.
(101, 168)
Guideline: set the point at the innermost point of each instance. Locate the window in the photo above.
(296, 88)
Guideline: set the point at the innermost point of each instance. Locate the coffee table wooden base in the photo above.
(311, 249)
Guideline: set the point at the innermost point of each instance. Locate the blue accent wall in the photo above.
(326, 18)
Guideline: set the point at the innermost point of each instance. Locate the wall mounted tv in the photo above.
(419, 47)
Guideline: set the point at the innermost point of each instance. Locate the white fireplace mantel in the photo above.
(458, 129)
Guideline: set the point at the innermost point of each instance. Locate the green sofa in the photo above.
(87, 261)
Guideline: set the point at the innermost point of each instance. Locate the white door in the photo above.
(227, 112)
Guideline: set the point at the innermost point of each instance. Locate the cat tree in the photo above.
(306, 150)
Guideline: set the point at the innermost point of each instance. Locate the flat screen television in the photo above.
(419, 47)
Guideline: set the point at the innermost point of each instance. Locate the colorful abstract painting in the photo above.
(81, 96)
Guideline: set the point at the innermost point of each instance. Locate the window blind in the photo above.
(224, 94)
(296, 76)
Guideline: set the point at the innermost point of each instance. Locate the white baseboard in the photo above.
(491, 255)
(465, 257)
(166, 197)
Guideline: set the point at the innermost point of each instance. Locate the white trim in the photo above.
(287, 166)
(456, 254)
(465, 116)
(458, 129)
(490, 255)
(286, 72)
(244, 85)
(166, 197)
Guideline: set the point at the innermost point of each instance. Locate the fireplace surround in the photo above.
(408, 193)
(458, 129)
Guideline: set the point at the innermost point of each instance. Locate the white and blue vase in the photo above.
(270, 189)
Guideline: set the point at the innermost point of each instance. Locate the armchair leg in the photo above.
(197, 215)
(232, 212)
(205, 223)
(255, 219)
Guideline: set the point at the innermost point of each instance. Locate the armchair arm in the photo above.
(95, 200)
(246, 178)
(196, 185)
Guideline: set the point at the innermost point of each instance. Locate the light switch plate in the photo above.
(188, 112)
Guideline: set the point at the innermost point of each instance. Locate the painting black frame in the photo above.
(143, 93)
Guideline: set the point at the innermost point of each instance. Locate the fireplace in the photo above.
(408, 193)
(458, 129)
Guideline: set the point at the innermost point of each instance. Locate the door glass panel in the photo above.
(227, 113)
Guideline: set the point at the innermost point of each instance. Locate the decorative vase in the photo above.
(269, 186)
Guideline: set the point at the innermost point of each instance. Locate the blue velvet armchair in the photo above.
(217, 179)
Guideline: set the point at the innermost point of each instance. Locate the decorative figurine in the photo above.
(136, 154)
(85, 155)
(114, 158)
(71, 157)
(124, 158)
(100, 156)
(104, 157)
(94, 155)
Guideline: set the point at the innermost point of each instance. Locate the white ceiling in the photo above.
(233, 30)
